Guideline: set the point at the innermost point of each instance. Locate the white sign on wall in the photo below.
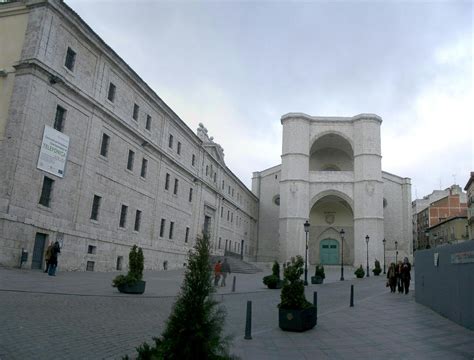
(53, 153)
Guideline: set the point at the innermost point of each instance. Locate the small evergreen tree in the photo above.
(135, 268)
(292, 294)
(194, 328)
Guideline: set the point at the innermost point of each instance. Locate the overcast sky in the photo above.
(237, 67)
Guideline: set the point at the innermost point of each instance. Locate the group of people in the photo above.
(398, 276)
(51, 258)
(221, 270)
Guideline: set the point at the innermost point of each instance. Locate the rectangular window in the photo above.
(138, 218)
(91, 249)
(144, 168)
(131, 157)
(170, 141)
(136, 108)
(219, 244)
(162, 227)
(70, 59)
(167, 181)
(232, 217)
(175, 190)
(171, 229)
(111, 93)
(104, 146)
(232, 192)
(215, 177)
(228, 190)
(45, 197)
(119, 263)
(178, 150)
(222, 210)
(186, 237)
(207, 170)
(90, 266)
(223, 185)
(190, 194)
(193, 160)
(148, 122)
(228, 215)
(59, 119)
(123, 216)
(95, 207)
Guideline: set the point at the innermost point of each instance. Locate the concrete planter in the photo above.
(137, 288)
(297, 320)
(317, 280)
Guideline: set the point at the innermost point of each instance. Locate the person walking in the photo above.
(392, 277)
(47, 256)
(217, 272)
(53, 260)
(398, 272)
(405, 275)
(225, 271)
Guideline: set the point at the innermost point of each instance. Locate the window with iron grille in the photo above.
(45, 198)
(138, 218)
(90, 266)
(131, 157)
(111, 92)
(171, 230)
(123, 216)
(144, 168)
(162, 227)
(59, 118)
(70, 59)
(136, 108)
(104, 146)
(95, 207)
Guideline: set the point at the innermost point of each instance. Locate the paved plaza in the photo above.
(78, 315)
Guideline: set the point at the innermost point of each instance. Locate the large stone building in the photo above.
(331, 175)
(470, 205)
(92, 157)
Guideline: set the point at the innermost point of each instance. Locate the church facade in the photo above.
(331, 175)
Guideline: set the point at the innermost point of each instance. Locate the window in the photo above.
(131, 157)
(232, 217)
(228, 215)
(215, 177)
(167, 181)
(90, 266)
(91, 249)
(193, 160)
(138, 217)
(171, 229)
(123, 216)
(111, 93)
(45, 197)
(219, 244)
(136, 108)
(190, 194)
(222, 210)
(70, 59)
(59, 119)
(232, 192)
(178, 150)
(228, 190)
(162, 227)
(104, 146)
(175, 190)
(186, 237)
(170, 141)
(144, 168)
(148, 122)
(95, 207)
(207, 170)
(119, 262)
(223, 185)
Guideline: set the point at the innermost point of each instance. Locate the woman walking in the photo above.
(392, 277)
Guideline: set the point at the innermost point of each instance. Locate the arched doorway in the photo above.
(329, 252)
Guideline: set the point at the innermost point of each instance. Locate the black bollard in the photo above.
(248, 321)
(352, 296)
(315, 302)
(233, 284)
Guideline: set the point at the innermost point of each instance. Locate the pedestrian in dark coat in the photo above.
(47, 256)
(398, 271)
(225, 270)
(392, 277)
(53, 260)
(405, 274)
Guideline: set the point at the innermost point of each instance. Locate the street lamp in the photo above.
(435, 236)
(384, 241)
(396, 252)
(342, 254)
(306, 230)
(367, 242)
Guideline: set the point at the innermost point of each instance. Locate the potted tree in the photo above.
(319, 275)
(273, 281)
(360, 273)
(377, 270)
(132, 283)
(295, 312)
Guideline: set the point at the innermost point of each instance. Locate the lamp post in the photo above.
(367, 242)
(306, 230)
(434, 238)
(396, 252)
(342, 253)
(384, 241)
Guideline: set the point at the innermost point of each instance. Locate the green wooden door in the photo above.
(329, 252)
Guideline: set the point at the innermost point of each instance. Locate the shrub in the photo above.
(135, 268)
(194, 328)
(359, 272)
(320, 271)
(276, 269)
(377, 270)
(271, 281)
(292, 294)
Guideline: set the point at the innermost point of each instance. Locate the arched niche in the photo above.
(331, 152)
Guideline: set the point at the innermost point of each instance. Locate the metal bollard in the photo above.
(248, 321)
(233, 284)
(315, 302)
(352, 296)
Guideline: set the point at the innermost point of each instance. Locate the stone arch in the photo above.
(336, 193)
(331, 151)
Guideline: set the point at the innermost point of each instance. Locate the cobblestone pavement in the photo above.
(80, 316)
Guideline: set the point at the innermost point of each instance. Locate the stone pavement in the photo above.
(78, 315)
